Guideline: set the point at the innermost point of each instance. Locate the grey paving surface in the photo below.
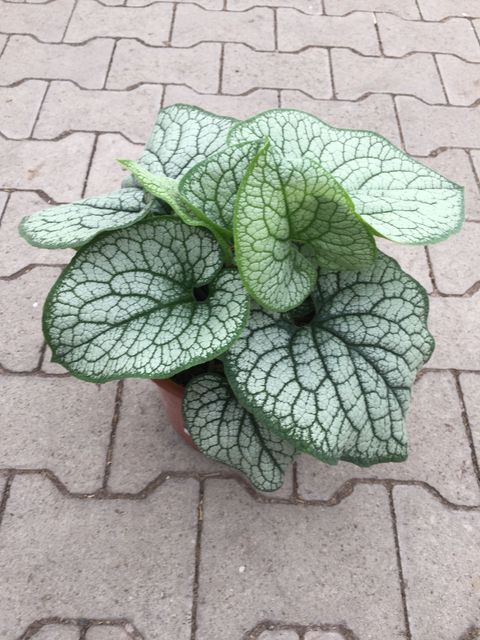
(110, 528)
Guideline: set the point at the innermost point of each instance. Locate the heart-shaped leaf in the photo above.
(223, 430)
(211, 186)
(182, 136)
(398, 197)
(339, 387)
(281, 205)
(126, 305)
(75, 224)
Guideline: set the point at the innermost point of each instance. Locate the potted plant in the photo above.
(239, 261)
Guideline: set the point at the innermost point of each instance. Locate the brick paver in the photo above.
(110, 527)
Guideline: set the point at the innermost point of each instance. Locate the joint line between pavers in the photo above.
(117, 407)
(110, 62)
(444, 88)
(399, 125)
(172, 24)
(5, 495)
(275, 28)
(37, 116)
(198, 555)
(74, 7)
(89, 167)
(377, 31)
(467, 425)
(408, 633)
(220, 69)
(431, 273)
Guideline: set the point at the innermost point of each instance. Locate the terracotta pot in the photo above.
(171, 394)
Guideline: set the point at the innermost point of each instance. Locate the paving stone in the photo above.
(60, 424)
(105, 173)
(406, 9)
(441, 565)
(400, 37)
(375, 113)
(245, 69)
(456, 263)
(412, 259)
(453, 322)
(462, 80)
(427, 128)
(59, 167)
(91, 20)
(355, 75)
(3, 482)
(3, 40)
(19, 106)
(439, 452)
(312, 7)
(110, 632)
(130, 559)
(45, 21)
(15, 252)
(455, 165)
(197, 66)
(279, 634)
(299, 562)
(440, 9)
(21, 317)
(146, 445)
(194, 24)
(87, 64)
(470, 384)
(51, 367)
(67, 107)
(324, 635)
(207, 4)
(236, 106)
(298, 30)
(57, 632)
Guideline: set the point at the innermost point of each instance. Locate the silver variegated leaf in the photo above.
(339, 387)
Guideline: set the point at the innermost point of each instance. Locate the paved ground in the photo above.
(111, 529)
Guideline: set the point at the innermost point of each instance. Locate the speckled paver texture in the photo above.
(110, 527)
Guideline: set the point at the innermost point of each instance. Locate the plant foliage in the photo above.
(253, 243)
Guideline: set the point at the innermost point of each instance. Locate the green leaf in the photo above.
(211, 186)
(75, 224)
(398, 197)
(182, 136)
(223, 430)
(339, 387)
(126, 306)
(285, 203)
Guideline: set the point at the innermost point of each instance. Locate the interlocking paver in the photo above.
(298, 30)
(245, 69)
(427, 128)
(412, 259)
(453, 322)
(146, 445)
(67, 107)
(59, 166)
(194, 24)
(456, 263)
(281, 634)
(60, 424)
(58, 632)
(439, 551)
(16, 253)
(130, 559)
(355, 75)
(400, 37)
(440, 9)
(21, 317)
(45, 21)
(87, 64)
(133, 62)
(312, 7)
(105, 173)
(235, 106)
(298, 564)
(324, 635)
(439, 452)
(470, 384)
(455, 165)
(91, 19)
(405, 9)
(462, 79)
(376, 112)
(100, 632)
(19, 107)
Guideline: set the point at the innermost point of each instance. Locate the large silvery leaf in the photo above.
(223, 430)
(182, 136)
(339, 387)
(126, 305)
(75, 224)
(211, 185)
(398, 197)
(286, 203)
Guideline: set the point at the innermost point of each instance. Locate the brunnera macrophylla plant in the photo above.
(240, 257)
